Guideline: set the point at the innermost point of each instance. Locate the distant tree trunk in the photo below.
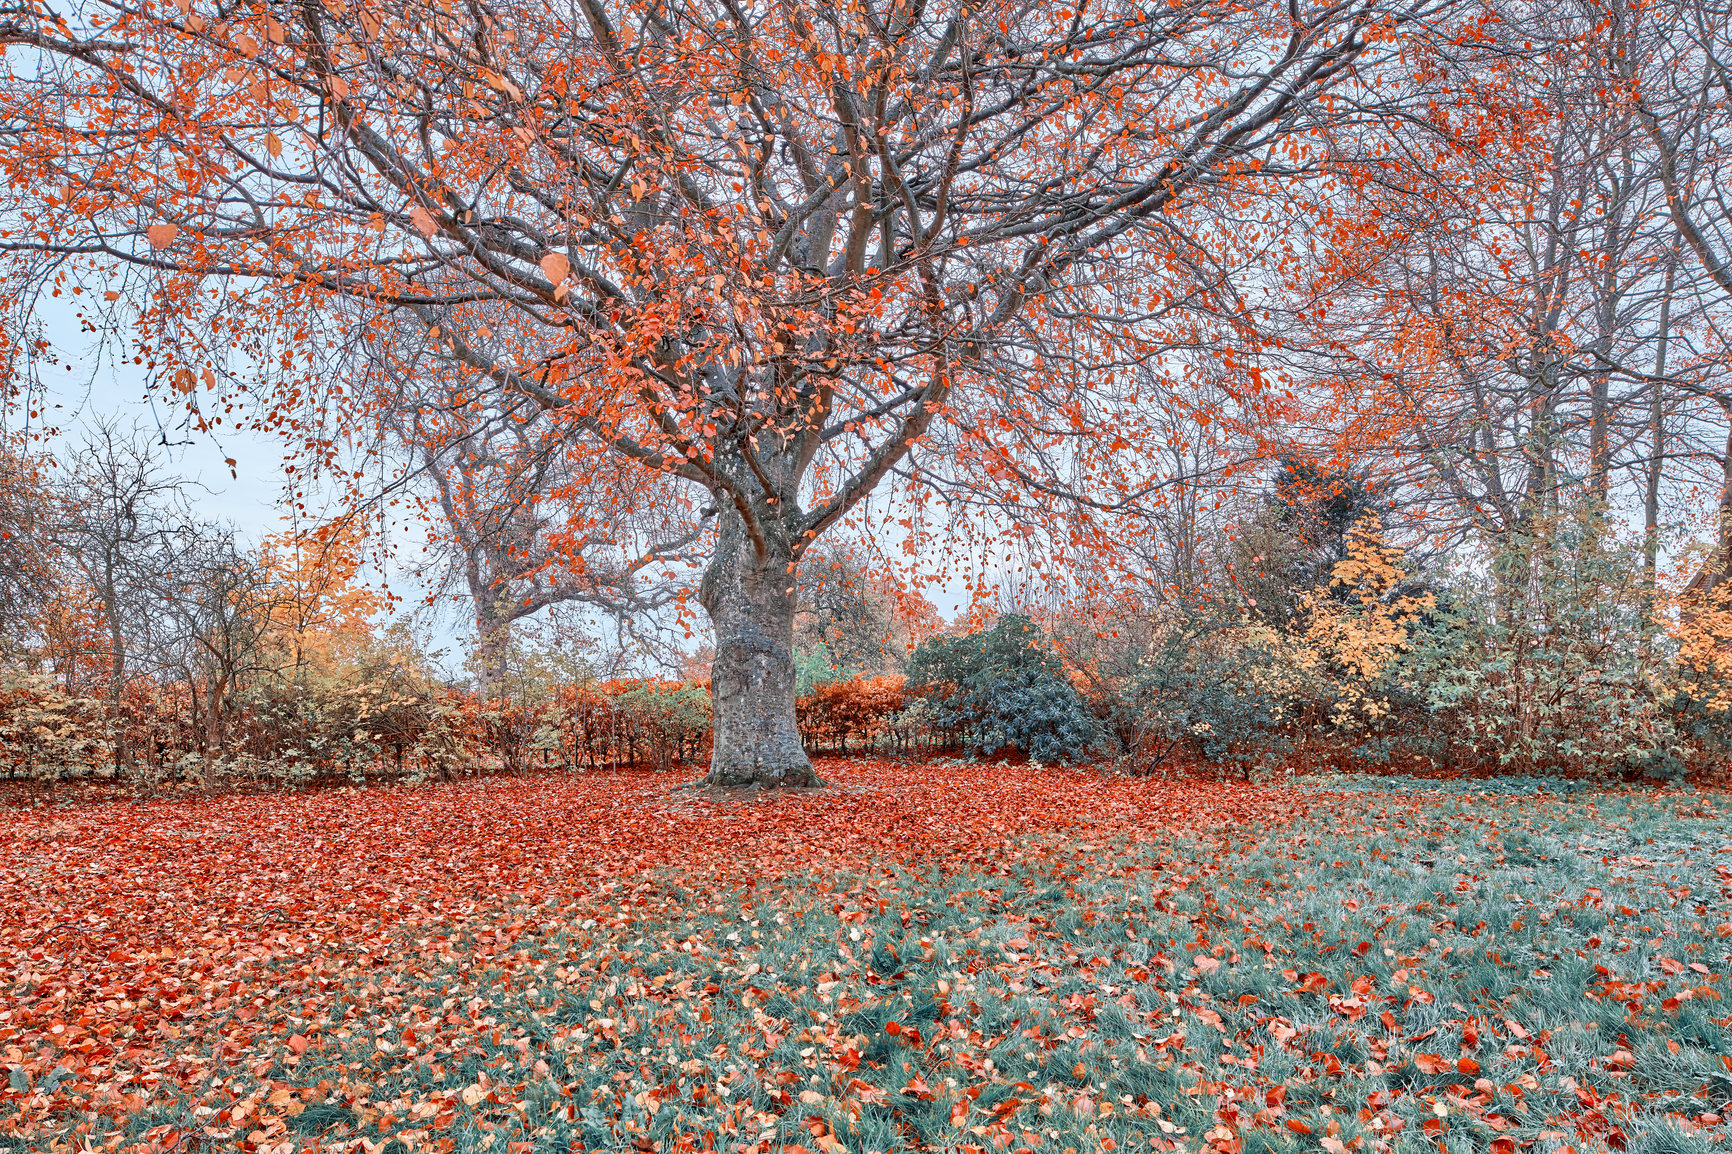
(213, 716)
(1656, 465)
(750, 591)
(1611, 296)
(1723, 554)
(116, 662)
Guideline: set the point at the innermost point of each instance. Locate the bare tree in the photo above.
(1675, 64)
(524, 520)
(121, 510)
(1498, 343)
(28, 555)
(215, 599)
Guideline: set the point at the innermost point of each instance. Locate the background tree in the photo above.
(522, 520)
(122, 511)
(1671, 61)
(1298, 534)
(215, 606)
(851, 621)
(28, 561)
(320, 610)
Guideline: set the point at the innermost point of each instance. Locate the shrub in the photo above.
(669, 719)
(1543, 666)
(1002, 689)
(1358, 628)
(858, 710)
(46, 732)
(915, 724)
(1220, 688)
(353, 721)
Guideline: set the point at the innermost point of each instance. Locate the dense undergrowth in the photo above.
(1118, 966)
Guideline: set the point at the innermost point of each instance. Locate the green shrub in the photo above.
(668, 719)
(1004, 689)
(1220, 688)
(1537, 662)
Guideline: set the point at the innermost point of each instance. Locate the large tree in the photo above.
(769, 249)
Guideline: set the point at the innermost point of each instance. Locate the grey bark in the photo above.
(750, 591)
(1656, 466)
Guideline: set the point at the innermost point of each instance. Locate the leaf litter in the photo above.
(950, 957)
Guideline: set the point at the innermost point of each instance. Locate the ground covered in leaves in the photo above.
(945, 957)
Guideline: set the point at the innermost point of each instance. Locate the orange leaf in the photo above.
(556, 266)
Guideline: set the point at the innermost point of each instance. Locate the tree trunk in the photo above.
(116, 666)
(490, 650)
(1722, 564)
(1656, 467)
(750, 597)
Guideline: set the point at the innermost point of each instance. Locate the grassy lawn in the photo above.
(944, 957)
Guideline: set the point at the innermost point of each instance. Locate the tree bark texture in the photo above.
(749, 592)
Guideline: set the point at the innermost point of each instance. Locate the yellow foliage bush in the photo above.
(1354, 643)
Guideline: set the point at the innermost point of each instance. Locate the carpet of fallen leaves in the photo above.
(945, 957)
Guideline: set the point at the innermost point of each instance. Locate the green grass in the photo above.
(1414, 969)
